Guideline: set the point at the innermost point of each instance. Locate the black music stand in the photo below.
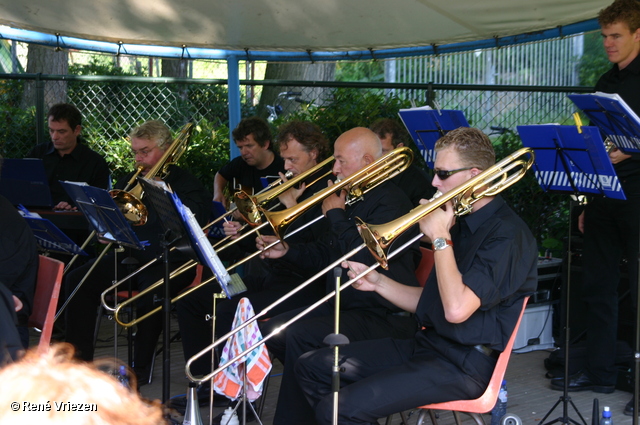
(426, 125)
(182, 231)
(570, 159)
(48, 236)
(109, 224)
(621, 125)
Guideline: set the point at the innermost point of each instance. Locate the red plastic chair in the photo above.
(486, 401)
(45, 300)
(426, 264)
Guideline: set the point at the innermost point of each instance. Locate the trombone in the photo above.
(258, 201)
(128, 200)
(357, 184)
(378, 238)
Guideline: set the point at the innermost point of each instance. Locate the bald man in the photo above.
(363, 315)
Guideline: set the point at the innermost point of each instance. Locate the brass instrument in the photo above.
(357, 184)
(128, 200)
(271, 192)
(379, 238)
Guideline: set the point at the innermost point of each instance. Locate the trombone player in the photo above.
(149, 142)
(363, 315)
(302, 146)
(485, 265)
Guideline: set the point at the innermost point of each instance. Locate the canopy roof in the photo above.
(292, 29)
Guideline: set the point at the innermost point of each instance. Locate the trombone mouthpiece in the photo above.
(337, 272)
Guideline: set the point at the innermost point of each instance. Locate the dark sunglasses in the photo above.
(445, 174)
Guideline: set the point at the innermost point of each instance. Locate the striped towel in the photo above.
(257, 362)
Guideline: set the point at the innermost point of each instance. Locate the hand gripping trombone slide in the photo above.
(260, 200)
(356, 184)
(378, 238)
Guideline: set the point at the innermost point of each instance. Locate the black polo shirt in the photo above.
(498, 259)
(81, 165)
(249, 176)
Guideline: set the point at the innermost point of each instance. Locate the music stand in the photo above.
(427, 125)
(48, 236)
(108, 223)
(182, 231)
(570, 159)
(622, 126)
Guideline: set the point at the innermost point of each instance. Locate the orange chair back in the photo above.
(45, 300)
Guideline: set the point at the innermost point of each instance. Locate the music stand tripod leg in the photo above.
(565, 399)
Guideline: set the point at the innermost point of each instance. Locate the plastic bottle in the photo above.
(229, 417)
(123, 376)
(606, 416)
(500, 409)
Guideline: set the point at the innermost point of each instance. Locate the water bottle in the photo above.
(606, 416)
(229, 417)
(500, 409)
(123, 376)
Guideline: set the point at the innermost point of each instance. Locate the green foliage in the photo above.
(594, 61)
(348, 108)
(546, 214)
(17, 124)
(372, 71)
(208, 151)
(99, 65)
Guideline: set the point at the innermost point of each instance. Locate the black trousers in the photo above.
(308, 334)
(261, 292)
(81, 310)
(611, 233)
(386, 376)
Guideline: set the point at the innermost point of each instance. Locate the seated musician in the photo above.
(485, 264)
(67, 157)
(363, 315)
(149, 142)
(415, 181)
(257, 159)
(302, 146)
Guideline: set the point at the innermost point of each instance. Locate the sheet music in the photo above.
(427, 125)
(611, 114)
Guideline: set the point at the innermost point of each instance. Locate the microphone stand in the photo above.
(336, 340)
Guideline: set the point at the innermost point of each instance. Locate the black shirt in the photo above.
(81, 165)
(498, 259)
(249, 176)
(626, 83)
(18, 256)
(380, 205)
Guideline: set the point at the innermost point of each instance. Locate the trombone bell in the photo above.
(131, 207)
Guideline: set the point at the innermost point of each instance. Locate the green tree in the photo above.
(594, 61)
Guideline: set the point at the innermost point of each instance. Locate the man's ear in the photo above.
(314, 154)
(400, 145)
(368, 158)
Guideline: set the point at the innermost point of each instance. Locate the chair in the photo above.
(45, 300)
(425, 266)
(486, 401)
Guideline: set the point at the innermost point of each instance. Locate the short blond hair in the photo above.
(55, 379)
(153, 130)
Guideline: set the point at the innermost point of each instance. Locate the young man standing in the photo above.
(611, 226)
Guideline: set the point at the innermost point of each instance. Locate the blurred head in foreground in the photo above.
(53, 388)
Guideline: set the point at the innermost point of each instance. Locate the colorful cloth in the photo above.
(257, 362)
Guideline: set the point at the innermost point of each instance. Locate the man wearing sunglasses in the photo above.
(485, 265)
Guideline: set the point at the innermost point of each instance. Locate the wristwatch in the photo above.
(441, 243)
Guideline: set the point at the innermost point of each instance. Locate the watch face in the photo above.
(439, 243)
